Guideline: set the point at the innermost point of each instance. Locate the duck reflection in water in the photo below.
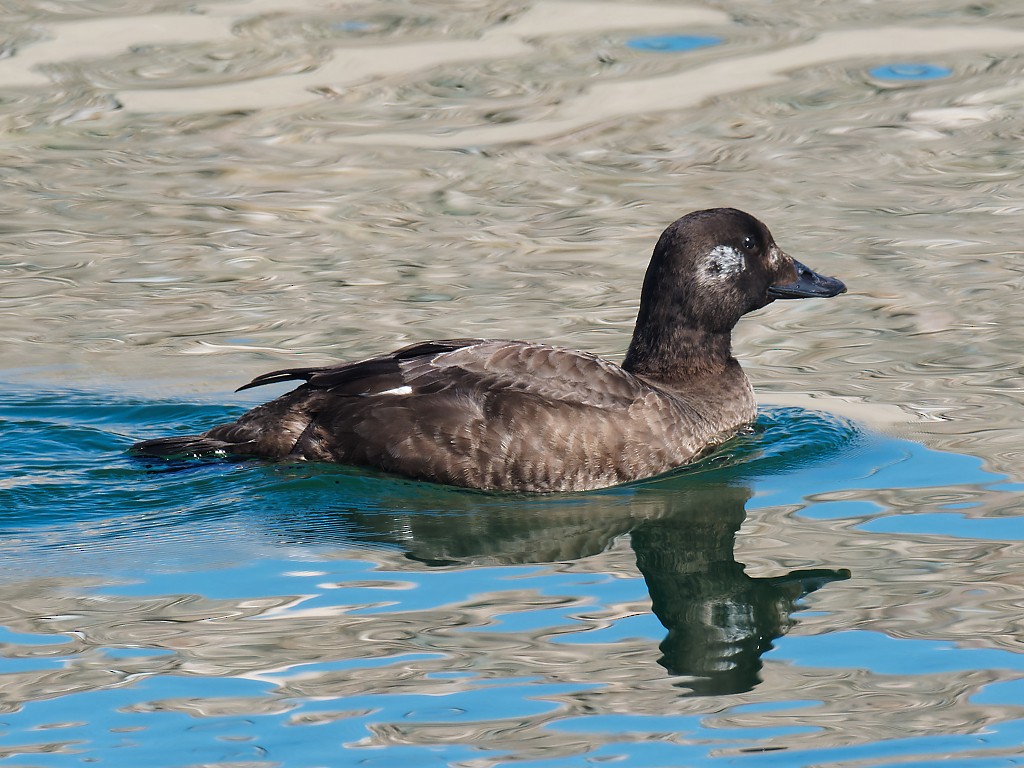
(719, 620)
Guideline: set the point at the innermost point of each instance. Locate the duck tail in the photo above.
(185, 446)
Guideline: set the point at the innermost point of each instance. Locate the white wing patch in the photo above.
(403, 390)
(724, 261)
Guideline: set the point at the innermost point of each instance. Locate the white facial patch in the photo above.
(403, 390)
(723, 262)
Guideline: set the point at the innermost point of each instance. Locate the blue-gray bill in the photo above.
(808, 285)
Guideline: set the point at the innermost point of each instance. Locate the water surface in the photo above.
(194, 194)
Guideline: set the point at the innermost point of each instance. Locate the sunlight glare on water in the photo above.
(195, 194)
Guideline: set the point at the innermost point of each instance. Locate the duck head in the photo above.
(714, 266)
(709, 269)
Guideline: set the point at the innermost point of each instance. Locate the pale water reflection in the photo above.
(195, 193)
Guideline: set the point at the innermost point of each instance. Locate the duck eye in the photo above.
(749, 243)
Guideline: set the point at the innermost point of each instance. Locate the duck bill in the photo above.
(808, 285)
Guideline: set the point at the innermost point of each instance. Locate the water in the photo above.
(194, 194)
(246, 611)
(776, 596)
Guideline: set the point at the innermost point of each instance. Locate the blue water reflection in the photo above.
(911, 71)
(673, 43)
(890, 656)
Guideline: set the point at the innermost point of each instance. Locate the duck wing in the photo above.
(480, 366)
(343, 377)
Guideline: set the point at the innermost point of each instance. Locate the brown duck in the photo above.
(523, 416)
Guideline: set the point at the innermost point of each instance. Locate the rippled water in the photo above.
(196, 193)
(774, 597)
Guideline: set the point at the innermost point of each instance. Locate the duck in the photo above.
(527, 417)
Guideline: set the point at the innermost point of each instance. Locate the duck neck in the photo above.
(678, 354)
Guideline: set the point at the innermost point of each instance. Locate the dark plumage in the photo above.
(521, 416)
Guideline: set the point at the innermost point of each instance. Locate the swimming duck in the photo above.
(529, 417)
